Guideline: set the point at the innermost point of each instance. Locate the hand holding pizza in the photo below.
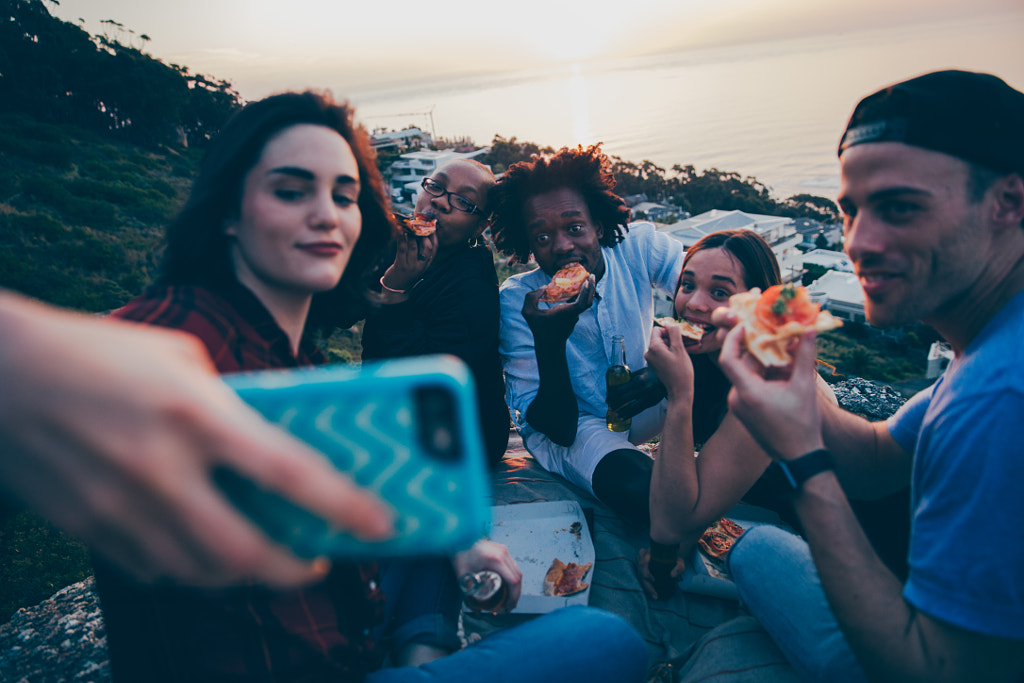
(556, 323)
(413, 256)
(667, 356)
(782, 414)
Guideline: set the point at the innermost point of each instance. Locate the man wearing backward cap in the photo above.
(932, 190)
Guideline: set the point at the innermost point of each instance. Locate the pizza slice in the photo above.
(565, 579)
(422, 225)
(566, 283)
(730, 527)
(689, 330)
(715, 542)
(772, 319)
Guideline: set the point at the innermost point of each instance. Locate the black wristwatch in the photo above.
(798, 470)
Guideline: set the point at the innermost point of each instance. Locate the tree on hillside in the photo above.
(812, 206)
(54, 71)
(504, 153)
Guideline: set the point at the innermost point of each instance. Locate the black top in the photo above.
(453, 309)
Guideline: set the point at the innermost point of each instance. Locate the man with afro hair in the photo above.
(562, 210)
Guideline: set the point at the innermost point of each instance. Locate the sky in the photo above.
(264, 46)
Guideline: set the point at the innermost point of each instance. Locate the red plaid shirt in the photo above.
(170, 633)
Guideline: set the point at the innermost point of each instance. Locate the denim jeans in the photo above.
(571, 643)
(421, 605)
(778, 583)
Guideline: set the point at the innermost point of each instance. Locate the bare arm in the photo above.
(891, 639)
(869, 462)
(554, 410)
(110, 431)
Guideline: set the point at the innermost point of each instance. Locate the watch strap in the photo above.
(799, 470)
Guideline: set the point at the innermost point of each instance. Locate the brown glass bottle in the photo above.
(616, 375)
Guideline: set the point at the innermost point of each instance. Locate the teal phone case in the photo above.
(406, 429)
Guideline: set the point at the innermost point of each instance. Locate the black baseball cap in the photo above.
(974, 116)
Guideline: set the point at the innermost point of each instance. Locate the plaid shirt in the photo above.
(171, 633)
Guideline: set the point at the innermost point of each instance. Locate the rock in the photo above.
(869, 399)
(60, 640)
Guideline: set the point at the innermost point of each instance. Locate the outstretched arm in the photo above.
(110, 430)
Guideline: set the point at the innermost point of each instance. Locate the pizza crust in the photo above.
(422, 225)
(565, 579)
(689, 330)
(718, 538)
(565, 284)
(768, 346)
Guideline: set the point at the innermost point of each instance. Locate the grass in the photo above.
(36, 561)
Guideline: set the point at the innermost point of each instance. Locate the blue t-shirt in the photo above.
(967, 547)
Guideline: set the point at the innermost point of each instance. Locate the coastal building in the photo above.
(812, 231)
(839, 293)
(406, 173)
(940, 355)
(778, 231)
(655, 212)
(400, 140)
(829, 260)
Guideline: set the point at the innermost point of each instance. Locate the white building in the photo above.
(409, 170)
(653, 211)
(841, 294)
(940, 355)
(829, 260)
(778, 231)
(400, 139)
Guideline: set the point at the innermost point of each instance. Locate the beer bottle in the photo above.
(616, 375)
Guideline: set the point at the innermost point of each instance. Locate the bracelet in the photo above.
(388, 289)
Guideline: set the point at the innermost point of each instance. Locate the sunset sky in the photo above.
(262, 46)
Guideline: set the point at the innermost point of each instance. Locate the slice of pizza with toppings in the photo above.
(565, 579)
(730, 527)
(422, 225)
(773, 318)
(715, 542)
(689, 330)
(565, 284)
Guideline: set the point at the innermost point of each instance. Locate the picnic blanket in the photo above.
(672, 628)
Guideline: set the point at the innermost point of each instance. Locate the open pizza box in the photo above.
(705, 575)
(536, 534)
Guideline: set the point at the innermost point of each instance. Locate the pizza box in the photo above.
(706, 576)
(537, 533)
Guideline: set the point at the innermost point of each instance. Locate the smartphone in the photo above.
(406, 429)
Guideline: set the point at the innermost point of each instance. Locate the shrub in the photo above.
(37, 225)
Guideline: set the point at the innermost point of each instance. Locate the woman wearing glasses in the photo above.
(440, 293)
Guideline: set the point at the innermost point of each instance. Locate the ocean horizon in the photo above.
(773, 110)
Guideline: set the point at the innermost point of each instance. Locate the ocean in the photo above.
(773, 111)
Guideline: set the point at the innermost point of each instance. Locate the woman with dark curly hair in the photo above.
(562, 210)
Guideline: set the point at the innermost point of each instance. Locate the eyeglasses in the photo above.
(436, 189)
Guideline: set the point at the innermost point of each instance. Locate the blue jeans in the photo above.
(571, 643)
(421, 604)
(778, 583)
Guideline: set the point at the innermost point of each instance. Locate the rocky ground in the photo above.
(62, 640)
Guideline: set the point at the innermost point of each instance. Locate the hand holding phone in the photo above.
(406, 429)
